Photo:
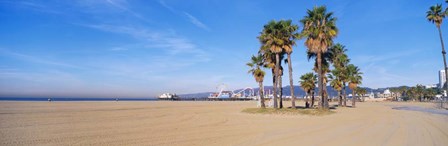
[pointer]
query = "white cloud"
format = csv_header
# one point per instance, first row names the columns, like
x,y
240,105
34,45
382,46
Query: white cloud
x,y
119,49
174,43
38,60
190,17
196,22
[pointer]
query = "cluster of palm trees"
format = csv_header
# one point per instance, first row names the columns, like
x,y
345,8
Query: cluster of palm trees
x,y
319,29
416,93
420,93
436,14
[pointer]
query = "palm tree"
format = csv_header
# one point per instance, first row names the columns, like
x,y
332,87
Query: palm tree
x,y
340,61
308,84
271,39
361,92
435,15
336,83
354,78
269,62
255,69
319,30
278,37
420,89
430,93
412,93
290,35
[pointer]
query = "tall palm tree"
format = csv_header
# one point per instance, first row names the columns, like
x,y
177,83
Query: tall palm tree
x,y
290,35
435,15
354,78
269,62
255,69
308,84
325,65
272,41
319,31
339,59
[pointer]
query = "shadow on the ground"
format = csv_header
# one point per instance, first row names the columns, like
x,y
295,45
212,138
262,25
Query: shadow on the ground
x,y
332,107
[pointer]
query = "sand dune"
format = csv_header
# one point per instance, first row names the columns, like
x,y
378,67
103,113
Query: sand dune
x,y
213,123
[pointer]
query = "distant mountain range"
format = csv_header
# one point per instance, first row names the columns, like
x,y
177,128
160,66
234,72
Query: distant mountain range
x,y
298,92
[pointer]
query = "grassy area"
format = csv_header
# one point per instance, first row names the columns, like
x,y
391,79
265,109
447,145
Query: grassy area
x,y
288,111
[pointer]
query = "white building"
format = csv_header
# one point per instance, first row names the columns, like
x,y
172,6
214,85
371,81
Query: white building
x,y
430,86
442,78
387,93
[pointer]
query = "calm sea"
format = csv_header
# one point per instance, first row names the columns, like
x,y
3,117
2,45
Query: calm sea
x,y
73,99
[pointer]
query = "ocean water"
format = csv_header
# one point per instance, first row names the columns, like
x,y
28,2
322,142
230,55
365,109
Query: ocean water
x,y
73,99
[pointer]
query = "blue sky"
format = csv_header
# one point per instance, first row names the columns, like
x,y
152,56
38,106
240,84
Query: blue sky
x,y
141,48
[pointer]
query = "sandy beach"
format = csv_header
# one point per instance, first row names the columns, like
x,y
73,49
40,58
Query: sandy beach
x,y
213,123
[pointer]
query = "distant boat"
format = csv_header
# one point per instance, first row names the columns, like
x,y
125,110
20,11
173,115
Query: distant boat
x,y
168,96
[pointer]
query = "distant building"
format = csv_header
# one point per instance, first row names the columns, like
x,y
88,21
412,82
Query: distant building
x,y
442,78
431,86
387,93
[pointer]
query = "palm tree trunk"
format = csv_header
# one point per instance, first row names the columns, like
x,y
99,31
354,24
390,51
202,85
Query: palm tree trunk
x,y
353,98
277,75
320,80
312,98
444,59
307,104
261,93
345,94
280,86
274,88
340,98
291,83
325,102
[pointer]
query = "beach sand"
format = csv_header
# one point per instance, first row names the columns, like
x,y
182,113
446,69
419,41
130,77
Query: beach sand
x,y
213,123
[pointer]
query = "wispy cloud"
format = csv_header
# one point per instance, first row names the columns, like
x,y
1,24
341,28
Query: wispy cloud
x,y
36,59
195,21
380,70
122,4
174,43
167,6
31,5
119,49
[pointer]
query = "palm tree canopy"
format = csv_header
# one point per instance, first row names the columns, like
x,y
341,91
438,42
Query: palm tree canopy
x,y
335,82
337,55
308,81
435,14
278,36
319,29
255,65
354,74
290,34
361,91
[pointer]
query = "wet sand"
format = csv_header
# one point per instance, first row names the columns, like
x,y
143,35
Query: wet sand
x,y
214,123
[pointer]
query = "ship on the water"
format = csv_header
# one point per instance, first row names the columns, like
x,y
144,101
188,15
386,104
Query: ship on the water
x,y
168,96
